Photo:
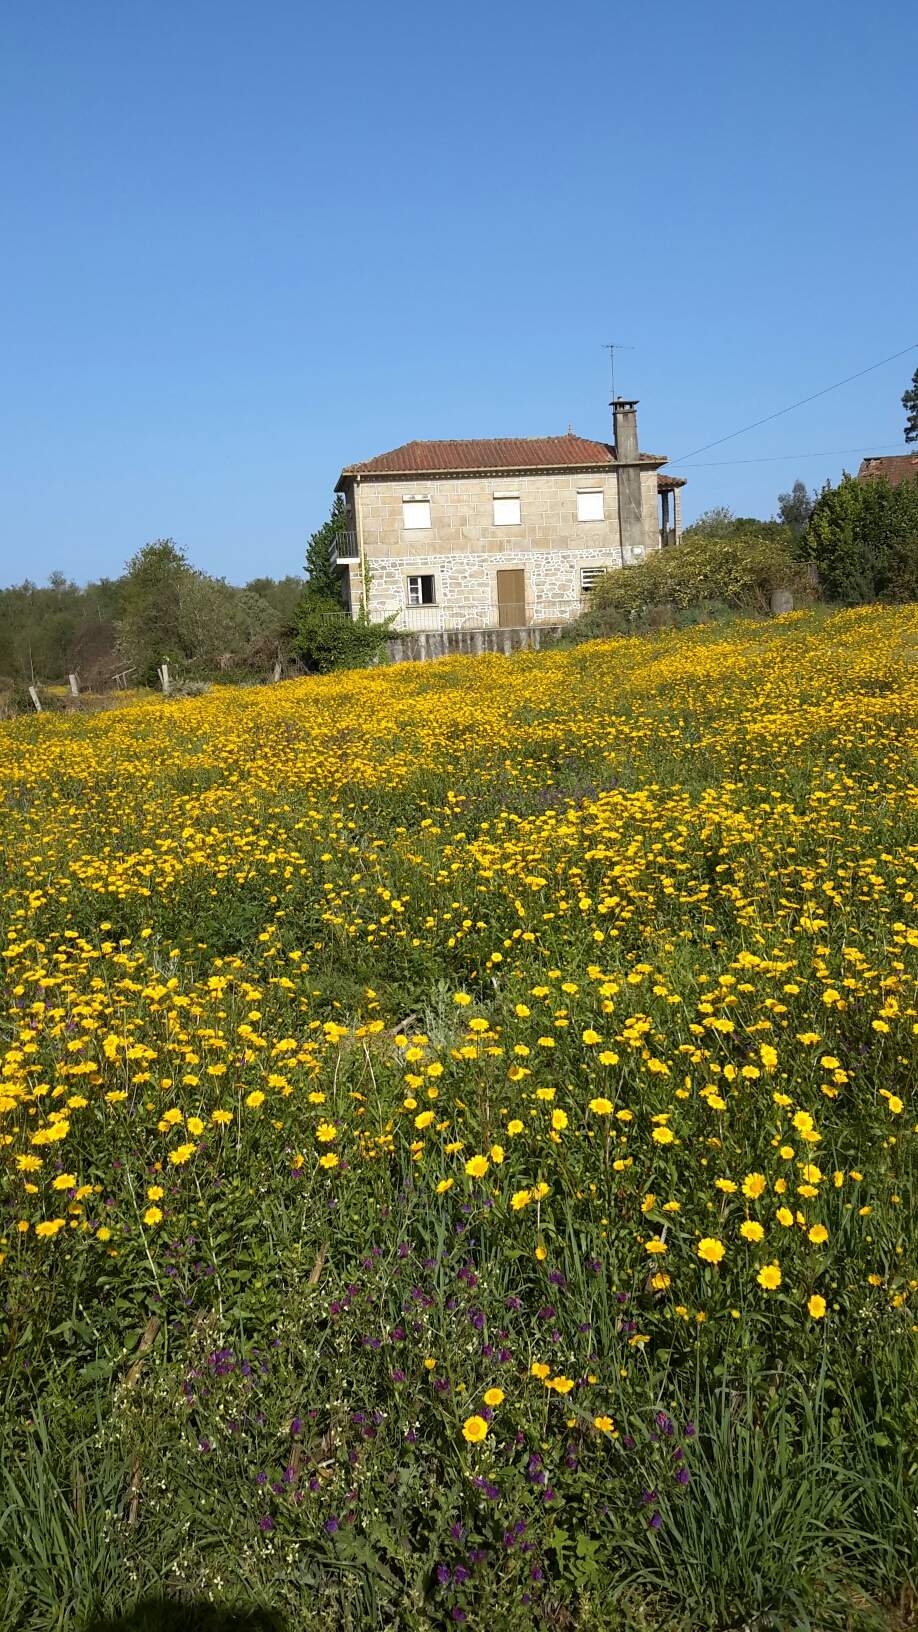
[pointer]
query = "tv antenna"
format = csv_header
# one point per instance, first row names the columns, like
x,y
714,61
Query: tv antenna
x,y
612,346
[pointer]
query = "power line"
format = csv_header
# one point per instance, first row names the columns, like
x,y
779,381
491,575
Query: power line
x,y
801,404
783,458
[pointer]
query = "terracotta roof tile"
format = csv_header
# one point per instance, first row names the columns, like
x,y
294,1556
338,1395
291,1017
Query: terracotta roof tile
x,y
896,468
498,453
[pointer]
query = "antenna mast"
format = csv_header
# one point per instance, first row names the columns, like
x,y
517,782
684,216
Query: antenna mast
x,y
612,346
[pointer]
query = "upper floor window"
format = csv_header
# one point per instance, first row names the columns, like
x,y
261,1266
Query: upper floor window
x,y
415,512
590,506
506,510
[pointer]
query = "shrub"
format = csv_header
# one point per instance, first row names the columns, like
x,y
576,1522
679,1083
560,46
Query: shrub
x,y
327,638
738,572
863,537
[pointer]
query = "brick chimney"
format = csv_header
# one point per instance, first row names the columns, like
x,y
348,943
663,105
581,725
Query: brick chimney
x,y
630,501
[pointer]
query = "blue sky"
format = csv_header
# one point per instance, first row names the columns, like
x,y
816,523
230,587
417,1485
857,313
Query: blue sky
x,y
244,245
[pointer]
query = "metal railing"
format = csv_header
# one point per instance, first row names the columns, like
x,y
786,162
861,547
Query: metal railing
x,y
460,615
455,615
345,551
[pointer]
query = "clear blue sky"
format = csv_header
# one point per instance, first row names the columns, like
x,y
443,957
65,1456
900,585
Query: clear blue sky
x,y
246,244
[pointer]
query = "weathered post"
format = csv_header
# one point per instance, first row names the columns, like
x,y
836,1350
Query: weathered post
x,y
74,685
277,671
163,673
781,601
35,699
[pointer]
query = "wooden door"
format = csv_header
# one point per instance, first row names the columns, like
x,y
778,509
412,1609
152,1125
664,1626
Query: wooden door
x,y
511,598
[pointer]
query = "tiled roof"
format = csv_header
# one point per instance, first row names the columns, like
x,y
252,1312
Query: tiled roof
x,y
896,468
498,453
666,483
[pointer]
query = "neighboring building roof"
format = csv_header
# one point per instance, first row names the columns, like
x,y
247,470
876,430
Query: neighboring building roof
x,y
515,453
666,483
894,468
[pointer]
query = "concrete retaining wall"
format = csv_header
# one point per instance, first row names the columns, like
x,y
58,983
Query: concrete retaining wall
x,y
426,644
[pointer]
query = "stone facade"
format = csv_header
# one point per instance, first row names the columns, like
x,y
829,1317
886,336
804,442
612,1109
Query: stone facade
x,y
463,549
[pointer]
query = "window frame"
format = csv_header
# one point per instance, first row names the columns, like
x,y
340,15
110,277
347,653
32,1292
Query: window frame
x,y
590,493
593,574
506,498
415,526
418,578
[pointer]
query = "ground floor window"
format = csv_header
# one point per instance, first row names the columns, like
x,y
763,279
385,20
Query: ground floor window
x,y
422,589
590,576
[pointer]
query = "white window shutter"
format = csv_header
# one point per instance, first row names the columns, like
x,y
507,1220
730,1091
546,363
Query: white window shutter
x,y
415,512
590,506
507,511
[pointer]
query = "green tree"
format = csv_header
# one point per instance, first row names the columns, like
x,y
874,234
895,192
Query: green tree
x,y
321,578
863,537
282,594
720,522
217,623
910,404
714,523
38,626
796,507
156,587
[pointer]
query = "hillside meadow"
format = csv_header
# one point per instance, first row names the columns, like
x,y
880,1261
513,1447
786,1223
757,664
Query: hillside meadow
x,y
459,1141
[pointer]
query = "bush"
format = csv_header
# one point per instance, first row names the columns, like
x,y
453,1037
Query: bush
x,y
863,537
736,572
327,638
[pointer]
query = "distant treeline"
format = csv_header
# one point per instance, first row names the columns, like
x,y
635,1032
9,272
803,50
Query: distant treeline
x,y
160,607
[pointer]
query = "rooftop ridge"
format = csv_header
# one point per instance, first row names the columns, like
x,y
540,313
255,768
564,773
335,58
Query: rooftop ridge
x,y
454,455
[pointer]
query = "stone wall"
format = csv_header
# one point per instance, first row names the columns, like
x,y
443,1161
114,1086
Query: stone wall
x,y
464,550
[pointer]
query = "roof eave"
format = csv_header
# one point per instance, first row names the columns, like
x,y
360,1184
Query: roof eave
x,y
647,461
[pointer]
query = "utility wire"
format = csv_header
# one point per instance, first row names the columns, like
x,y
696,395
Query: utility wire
x,y
784,458
801,404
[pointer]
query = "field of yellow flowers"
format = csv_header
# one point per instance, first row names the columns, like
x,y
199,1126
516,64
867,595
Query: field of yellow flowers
x,y
459,1140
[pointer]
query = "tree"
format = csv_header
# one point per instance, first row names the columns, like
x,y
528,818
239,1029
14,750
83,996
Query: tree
x,y
156,585
863,537
714,523
322,580
38,627
910,404
283,594
796,507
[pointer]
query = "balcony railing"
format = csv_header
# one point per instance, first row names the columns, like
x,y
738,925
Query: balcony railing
x,y
345,552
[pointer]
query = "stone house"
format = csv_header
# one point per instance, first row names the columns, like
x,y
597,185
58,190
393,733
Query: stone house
x,y
505,534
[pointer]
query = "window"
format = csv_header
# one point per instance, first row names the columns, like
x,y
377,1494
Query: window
x,y
506,510
415,512
589,577
590,506
422,589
